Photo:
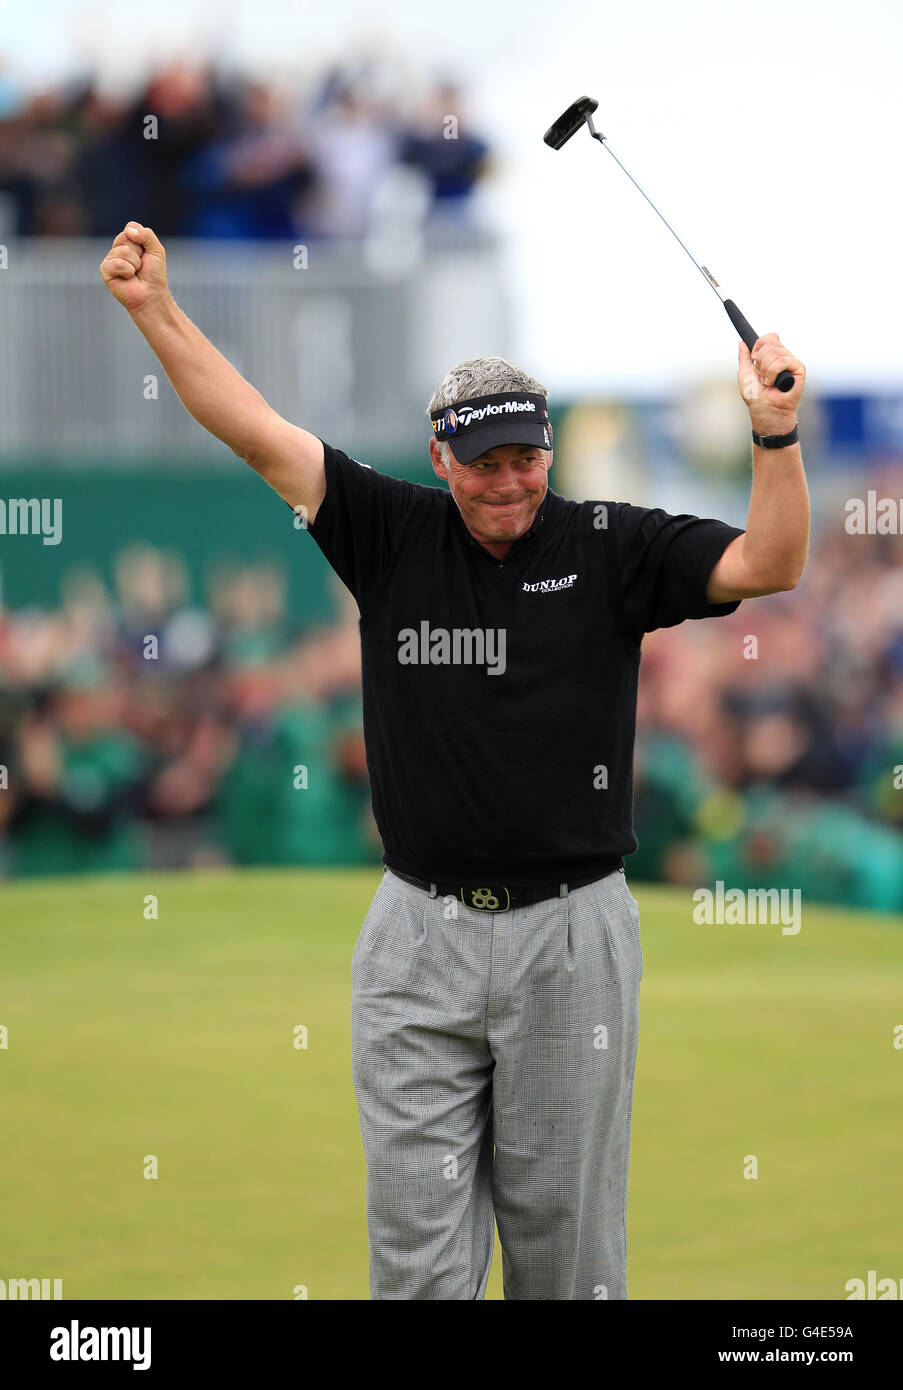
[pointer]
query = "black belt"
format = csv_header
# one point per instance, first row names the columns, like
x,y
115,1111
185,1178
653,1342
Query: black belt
x,y
499,897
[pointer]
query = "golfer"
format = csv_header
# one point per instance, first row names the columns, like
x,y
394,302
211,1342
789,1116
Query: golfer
x,y
495,981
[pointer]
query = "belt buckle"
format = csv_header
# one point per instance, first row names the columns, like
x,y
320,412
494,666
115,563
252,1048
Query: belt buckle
x,y
496,899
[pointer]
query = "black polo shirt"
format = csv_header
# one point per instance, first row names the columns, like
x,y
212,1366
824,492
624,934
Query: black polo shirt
x,y
499,696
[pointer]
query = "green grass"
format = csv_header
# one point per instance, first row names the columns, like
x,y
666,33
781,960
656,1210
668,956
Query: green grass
x,y
173,1038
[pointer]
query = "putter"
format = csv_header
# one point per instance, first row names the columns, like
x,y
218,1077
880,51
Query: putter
x,y
558,134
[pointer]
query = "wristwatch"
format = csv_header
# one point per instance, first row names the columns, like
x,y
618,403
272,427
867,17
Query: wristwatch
x,y
777,441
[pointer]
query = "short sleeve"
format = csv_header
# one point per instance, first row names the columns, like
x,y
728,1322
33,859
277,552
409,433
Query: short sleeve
x,y
664,563
359,522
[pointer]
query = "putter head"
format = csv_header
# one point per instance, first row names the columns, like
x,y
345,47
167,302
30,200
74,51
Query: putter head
x,y
569,122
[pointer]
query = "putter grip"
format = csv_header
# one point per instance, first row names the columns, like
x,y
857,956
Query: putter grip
x,y
749,335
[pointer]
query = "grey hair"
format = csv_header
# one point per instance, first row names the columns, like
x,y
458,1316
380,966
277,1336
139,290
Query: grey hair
x,y
480,376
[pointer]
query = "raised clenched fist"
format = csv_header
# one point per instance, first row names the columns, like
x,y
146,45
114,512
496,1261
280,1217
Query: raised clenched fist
x,y
771,411
134,268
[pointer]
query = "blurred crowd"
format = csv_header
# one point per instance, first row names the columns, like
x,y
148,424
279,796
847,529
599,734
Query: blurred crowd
x,y
770,742
138,728
198,152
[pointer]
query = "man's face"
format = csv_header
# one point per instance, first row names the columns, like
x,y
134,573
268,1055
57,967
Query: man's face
x,y
498,494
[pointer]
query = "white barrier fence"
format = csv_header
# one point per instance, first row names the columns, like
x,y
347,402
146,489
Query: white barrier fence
x,y
346,348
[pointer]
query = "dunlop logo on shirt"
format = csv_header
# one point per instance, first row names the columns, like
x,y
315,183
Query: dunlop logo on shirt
x,y
549,586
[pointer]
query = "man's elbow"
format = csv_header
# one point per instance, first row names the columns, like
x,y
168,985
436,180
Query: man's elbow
x,y
783,583
795,575
756,586
785,575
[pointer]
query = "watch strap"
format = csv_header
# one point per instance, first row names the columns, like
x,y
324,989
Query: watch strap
x,y
777,441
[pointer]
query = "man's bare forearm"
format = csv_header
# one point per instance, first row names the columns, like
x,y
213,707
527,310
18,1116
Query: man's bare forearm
x,y
771,554
776,543
207,384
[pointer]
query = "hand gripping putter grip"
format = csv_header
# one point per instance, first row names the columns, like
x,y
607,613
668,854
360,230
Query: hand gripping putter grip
x,y
558,134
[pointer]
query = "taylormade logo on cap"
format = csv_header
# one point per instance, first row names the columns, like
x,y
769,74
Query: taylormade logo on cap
x,y
468,414
480,410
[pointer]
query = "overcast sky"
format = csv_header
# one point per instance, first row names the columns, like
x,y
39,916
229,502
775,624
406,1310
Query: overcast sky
x,y
768,134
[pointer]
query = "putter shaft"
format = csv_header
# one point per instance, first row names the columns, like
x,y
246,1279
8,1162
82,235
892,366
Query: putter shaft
x,y
704,272
558,134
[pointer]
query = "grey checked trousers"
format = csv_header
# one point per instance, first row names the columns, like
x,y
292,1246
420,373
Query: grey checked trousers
x,y
493,1059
